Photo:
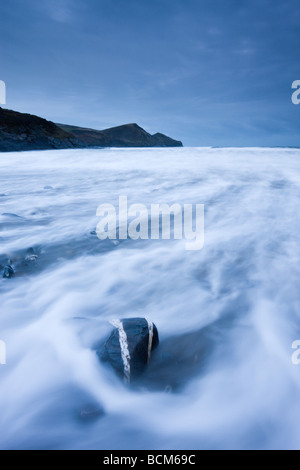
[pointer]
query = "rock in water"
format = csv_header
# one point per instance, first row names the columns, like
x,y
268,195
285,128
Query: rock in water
x,y
30,255
90,413
9,214
8,271
129,347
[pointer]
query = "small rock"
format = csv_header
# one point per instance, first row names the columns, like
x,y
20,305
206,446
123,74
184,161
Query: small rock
x,y
31,256
8,272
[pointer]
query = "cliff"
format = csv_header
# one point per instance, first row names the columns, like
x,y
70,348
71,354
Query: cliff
x,y
19,131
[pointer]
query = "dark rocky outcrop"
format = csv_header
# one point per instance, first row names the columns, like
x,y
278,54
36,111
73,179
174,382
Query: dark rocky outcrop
x,y
128,135
129,347
19,131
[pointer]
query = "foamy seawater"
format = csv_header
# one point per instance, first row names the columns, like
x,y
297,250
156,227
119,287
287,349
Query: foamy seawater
x,y
227,315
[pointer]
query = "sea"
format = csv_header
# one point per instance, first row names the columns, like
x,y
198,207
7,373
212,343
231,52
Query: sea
x,y
226,372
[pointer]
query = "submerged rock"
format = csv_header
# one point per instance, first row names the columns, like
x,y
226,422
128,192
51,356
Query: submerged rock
x,y
90,413
31,255
128,349
8,272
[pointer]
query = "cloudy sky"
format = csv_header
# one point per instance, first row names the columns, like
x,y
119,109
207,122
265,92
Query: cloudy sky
x,y
207,72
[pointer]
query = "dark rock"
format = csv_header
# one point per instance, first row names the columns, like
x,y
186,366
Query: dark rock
x,y
31,255
129,346
161,140
8,272
127,135
19,131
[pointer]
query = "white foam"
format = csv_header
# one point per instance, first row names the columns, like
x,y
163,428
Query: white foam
x,y
248,394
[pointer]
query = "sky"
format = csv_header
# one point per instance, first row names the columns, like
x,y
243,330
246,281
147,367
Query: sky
x,y
206,72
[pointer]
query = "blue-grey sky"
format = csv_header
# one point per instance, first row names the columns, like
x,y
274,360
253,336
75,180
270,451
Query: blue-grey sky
x,y
207,72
